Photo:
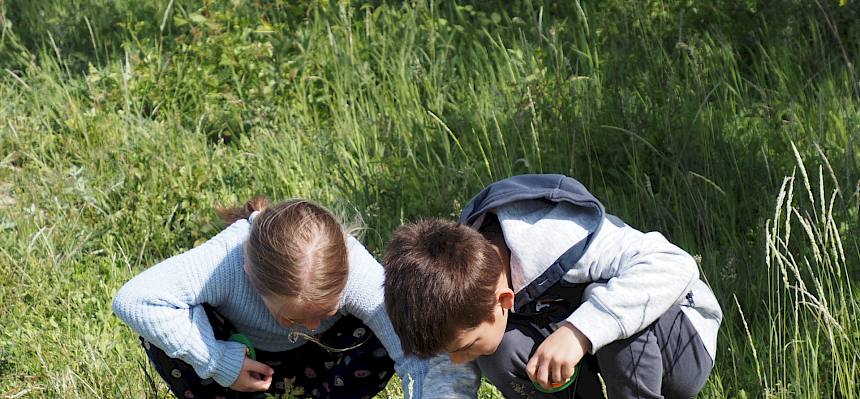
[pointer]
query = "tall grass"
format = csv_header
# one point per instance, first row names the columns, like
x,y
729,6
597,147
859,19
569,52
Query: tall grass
x,y
811,346
123,123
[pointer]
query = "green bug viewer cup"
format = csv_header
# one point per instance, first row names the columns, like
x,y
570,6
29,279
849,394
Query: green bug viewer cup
x,y
571,382
243,339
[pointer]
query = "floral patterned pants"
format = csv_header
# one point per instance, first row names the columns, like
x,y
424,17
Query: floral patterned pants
x,y
308,371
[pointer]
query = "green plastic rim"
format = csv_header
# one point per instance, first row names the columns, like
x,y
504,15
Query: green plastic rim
x,y
571,381
243,339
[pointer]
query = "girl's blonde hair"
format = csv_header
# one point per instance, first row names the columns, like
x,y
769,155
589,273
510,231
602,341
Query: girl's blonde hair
x,y
296,248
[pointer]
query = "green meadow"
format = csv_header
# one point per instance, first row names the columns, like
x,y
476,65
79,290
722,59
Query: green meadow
x,y
731,127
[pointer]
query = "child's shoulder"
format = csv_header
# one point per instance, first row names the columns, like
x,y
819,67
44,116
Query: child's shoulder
x,y
359,256
230,238
221,255
364,270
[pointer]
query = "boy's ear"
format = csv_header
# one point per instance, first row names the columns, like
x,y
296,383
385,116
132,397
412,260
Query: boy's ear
x,y
506,298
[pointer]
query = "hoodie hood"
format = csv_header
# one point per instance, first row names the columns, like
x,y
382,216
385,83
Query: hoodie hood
x,y
538,234
548,222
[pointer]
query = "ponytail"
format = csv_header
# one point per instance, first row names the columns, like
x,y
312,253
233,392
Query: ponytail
x,y
232,214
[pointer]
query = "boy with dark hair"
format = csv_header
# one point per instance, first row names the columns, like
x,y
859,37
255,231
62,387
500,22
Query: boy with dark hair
x,y
537,282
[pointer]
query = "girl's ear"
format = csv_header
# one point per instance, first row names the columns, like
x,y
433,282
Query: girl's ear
x,y
245,267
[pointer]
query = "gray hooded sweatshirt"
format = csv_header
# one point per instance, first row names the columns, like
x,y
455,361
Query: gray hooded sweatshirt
x,y
556,229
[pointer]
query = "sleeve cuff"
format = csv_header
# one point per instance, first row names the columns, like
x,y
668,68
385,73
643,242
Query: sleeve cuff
x,y
413,374
599,326
446,380
228,367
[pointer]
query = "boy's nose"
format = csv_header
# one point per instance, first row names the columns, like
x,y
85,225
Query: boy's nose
x,y
460,358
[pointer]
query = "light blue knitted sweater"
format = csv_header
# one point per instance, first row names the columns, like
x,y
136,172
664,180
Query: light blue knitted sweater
x,y
164,305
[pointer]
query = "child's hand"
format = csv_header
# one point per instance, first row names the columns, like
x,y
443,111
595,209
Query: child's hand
x,y
554,360
254,377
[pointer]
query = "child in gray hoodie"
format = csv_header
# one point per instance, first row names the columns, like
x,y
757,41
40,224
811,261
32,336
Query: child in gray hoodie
x,y
543,289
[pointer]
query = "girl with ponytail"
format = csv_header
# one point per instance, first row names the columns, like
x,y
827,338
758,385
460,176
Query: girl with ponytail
x,y
284,301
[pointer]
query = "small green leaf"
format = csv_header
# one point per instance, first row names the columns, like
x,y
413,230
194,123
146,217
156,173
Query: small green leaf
x,y
197,18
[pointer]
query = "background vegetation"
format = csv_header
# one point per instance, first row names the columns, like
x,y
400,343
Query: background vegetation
x,y
730,126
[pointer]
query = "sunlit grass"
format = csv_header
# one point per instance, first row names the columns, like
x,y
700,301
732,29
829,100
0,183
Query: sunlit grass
x,y
122,124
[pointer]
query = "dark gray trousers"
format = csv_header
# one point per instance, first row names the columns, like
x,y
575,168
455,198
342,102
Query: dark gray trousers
x,y
665,360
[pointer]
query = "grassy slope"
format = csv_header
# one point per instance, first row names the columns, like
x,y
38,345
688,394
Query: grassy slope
x,y
122,124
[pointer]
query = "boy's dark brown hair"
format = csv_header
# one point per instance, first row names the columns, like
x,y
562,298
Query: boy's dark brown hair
x,y
440,278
